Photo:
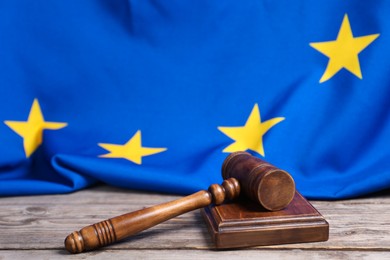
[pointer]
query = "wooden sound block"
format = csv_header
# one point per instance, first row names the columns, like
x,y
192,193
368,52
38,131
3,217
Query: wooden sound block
x,y
243,223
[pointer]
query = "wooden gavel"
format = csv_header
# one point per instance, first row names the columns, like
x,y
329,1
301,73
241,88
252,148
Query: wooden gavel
x,y
267,185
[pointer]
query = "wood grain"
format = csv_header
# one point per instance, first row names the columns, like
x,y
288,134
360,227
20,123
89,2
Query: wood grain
x,y
39,225
243,223
196,255
260,181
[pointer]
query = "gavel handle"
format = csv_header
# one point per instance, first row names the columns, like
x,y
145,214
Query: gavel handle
x,y
120,227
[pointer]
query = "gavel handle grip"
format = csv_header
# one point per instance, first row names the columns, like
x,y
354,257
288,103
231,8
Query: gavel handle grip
x,y
114,229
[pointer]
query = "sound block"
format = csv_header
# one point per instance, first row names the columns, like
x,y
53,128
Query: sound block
x,y
244,223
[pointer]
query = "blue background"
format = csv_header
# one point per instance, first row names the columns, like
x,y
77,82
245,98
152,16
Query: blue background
x,y
177,70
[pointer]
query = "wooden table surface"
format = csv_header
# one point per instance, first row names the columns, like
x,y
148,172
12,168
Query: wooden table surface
x,y
34,227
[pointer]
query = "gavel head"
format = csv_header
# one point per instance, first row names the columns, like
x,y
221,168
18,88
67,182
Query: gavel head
x,y
262,182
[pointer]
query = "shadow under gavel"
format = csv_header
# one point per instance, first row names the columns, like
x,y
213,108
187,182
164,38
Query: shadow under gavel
x,y
267,185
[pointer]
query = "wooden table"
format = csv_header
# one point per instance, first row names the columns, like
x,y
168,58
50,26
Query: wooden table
x,y
34,227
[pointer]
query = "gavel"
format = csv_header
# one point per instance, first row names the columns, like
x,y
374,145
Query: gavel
x,y
270,187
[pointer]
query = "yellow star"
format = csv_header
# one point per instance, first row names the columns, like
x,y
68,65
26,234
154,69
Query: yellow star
x,y
132,150
249,136
343,52
32,130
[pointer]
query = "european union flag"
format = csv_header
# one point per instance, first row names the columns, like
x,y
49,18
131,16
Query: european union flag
x,y
153,95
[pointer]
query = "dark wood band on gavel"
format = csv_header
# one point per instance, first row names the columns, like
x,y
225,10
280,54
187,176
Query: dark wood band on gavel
x,y
262,182
240,171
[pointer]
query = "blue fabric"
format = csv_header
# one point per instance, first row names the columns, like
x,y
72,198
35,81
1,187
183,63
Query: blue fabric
x,y
178,70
